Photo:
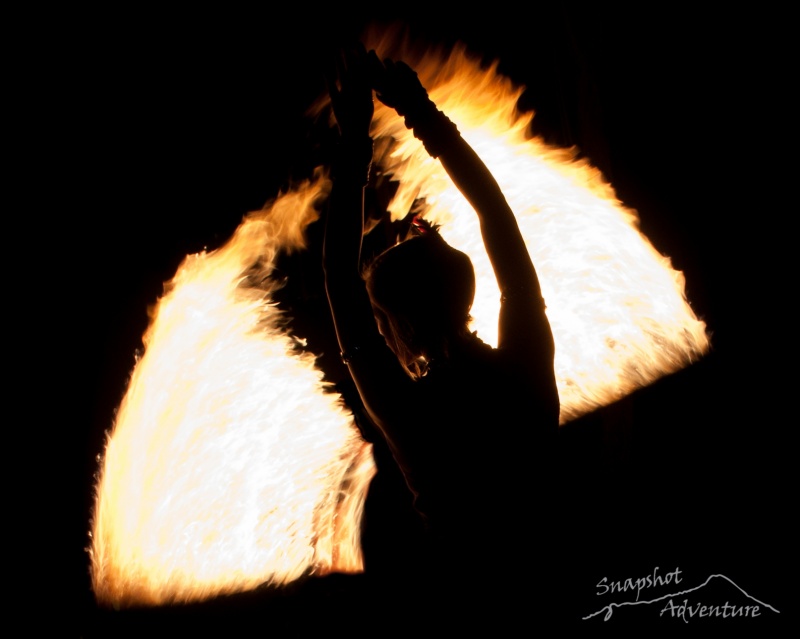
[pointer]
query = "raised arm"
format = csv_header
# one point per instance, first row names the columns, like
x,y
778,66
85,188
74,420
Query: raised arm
x,y
522,321
372,365
351,100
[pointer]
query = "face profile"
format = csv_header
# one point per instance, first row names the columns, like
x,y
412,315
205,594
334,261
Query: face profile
x,y
422,290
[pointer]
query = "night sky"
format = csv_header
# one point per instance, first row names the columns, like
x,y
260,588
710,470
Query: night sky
x,y
165,130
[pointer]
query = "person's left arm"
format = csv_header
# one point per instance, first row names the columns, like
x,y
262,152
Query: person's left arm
x,y
374,368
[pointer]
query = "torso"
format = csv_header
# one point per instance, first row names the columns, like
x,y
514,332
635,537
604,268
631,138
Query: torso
x,y
469,455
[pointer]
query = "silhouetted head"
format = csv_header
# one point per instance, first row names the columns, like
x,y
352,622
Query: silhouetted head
x,y
422,291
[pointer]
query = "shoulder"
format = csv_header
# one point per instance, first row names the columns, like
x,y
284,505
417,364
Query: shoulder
x,y
524,330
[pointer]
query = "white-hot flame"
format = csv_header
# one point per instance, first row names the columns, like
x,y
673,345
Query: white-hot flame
x,y
231,464
617,308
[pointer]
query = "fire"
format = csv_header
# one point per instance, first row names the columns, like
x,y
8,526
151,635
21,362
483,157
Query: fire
x,y
618,310
232,464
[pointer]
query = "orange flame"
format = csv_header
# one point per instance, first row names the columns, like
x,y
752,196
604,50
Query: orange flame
x,y
229,459
231,464
617,308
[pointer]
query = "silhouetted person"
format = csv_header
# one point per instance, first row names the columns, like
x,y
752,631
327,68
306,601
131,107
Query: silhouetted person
x,y
470,426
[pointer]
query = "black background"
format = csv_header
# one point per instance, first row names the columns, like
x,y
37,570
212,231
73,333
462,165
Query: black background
x,y
151,136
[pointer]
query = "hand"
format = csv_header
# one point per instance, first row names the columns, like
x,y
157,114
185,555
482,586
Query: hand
x,y
397,85
351,93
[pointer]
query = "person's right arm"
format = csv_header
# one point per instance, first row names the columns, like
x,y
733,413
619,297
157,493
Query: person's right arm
x,y
373,366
